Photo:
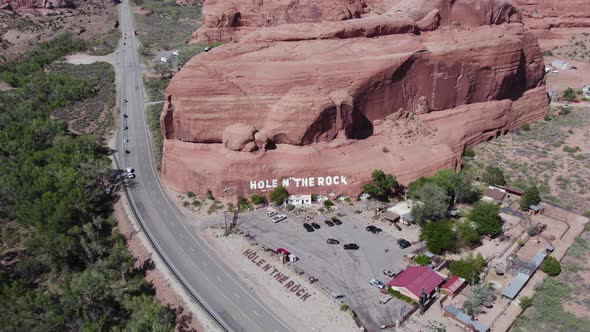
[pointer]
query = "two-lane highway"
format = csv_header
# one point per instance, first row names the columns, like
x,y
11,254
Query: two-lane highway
x,y
220,291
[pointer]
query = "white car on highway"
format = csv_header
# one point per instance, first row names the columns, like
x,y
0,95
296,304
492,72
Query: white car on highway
x,y
278,218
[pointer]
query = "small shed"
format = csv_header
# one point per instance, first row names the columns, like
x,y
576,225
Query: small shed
x,y
299,199
453,286
463,319
408,218
391,217
494,195
558,64
536,209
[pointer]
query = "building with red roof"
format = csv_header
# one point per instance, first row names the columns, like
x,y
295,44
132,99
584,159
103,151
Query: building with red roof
x,y
411,281
453,286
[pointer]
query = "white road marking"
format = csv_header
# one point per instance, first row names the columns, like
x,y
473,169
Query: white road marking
x,y
236,295
218,278
181,236
257,314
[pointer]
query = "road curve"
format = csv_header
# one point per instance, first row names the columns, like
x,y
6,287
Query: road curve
x,y
209,281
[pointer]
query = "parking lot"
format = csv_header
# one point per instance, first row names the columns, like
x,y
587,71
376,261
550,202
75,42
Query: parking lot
x,y
341,271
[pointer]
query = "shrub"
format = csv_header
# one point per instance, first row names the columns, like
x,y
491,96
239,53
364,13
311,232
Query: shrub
x,y
526,127
480,296
190,194
531,230
290,207
547,117
243,204
328,204
570,149
343,307
551,266
209,195
525,302
494,176
520,242
185,203
278,195
258,199
569,94
399,295
547,53
469,153
422,260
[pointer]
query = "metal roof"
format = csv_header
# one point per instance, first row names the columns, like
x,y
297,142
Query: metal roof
x,y
516,284
463,318
538,259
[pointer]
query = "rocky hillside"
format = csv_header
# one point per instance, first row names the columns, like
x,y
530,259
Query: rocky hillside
x,y
346,88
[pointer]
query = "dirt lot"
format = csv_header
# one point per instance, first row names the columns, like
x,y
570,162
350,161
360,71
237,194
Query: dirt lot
x,y
93,20
554,154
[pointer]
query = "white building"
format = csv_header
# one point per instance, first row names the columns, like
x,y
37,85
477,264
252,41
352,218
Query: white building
x,y
586,91
558,64
299,200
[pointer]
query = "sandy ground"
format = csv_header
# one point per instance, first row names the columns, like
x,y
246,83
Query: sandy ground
x,y
86,59
316,313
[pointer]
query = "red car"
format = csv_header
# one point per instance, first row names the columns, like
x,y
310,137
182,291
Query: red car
x,y
283,251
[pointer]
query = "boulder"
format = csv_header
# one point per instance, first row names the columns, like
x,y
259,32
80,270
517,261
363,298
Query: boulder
x,y
237,136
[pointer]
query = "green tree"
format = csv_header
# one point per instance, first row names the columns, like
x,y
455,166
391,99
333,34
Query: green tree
x,y
328,204
481,295
438,235
258,199
531,196
467,233
422,259
569,94
382,186
494,176
465,270
146,315
487,218
433,203
551,266
462,188
278,195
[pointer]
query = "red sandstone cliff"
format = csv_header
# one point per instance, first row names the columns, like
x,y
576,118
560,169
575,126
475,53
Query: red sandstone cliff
x,y
397,92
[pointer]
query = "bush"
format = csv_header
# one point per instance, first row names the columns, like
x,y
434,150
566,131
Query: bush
x,y
480,296
569,94
422,260
469,153
243,204
190,194
526,127
465,270
328,204
547,117
343,307
494,176
531,230
525,302
278,195
399,295
258,199
209,195
551,266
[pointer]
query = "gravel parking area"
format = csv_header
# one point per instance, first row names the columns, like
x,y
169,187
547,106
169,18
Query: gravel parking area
x,y
341,271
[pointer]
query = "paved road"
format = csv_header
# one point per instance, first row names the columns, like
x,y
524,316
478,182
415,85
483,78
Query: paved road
x,y
220,290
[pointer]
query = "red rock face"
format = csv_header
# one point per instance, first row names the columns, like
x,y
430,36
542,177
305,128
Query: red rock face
x,y
553,21
35,4
325,103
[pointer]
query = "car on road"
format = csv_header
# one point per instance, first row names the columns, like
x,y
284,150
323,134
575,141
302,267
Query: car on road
x,y
125,127
329,223
373,229
315,225
403,243
125,116
351,246
126,140
376,283
308,227
278,218
129,170
332,241
271,214
336,221
130,176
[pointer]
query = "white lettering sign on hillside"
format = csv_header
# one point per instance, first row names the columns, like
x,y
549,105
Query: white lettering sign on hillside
x,y
319,181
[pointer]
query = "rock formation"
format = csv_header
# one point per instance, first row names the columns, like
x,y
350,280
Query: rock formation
x,y
321,105
35,4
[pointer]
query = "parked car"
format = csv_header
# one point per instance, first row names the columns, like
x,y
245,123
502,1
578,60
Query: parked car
x,y
388,273
403,243
271,214
351,246
329,223
283,251
308,227
332,241
336,221
278,218
376,283
373,229
315,225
